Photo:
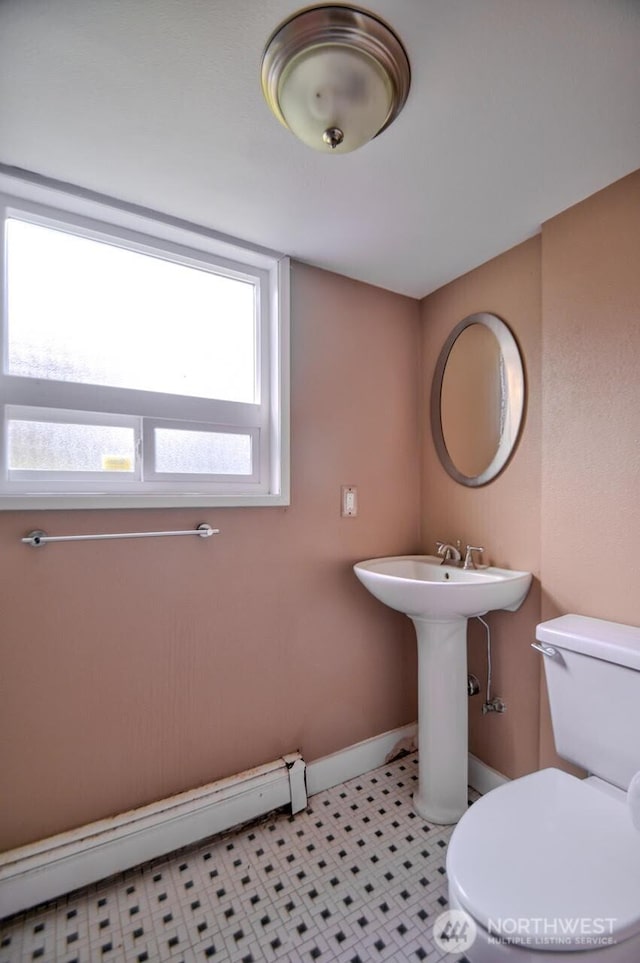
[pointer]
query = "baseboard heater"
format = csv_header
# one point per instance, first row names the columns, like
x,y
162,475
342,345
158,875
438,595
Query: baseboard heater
x,y
45,870
51,867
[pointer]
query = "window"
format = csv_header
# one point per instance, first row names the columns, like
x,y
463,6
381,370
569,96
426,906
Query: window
x,y
144,360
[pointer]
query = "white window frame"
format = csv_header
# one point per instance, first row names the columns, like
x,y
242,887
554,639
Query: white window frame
x,y
86,214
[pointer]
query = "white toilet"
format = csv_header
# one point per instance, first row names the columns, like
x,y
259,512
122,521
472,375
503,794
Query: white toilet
x,y
548,866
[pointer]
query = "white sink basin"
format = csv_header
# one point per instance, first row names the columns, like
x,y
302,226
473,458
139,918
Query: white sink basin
x,y
439,599
423,588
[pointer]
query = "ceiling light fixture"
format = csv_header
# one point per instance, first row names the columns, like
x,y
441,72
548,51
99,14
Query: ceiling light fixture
x,y
335,76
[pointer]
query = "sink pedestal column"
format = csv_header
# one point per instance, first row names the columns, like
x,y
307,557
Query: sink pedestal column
x,y
442,720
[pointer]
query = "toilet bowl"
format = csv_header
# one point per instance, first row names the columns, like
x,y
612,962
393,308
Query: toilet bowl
x,y
548,866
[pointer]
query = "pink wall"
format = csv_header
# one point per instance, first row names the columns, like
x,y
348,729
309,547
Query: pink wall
x,y
567,507
133,670
591,411
503,516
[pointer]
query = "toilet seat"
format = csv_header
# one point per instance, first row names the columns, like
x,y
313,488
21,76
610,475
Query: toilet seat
x,y
553,849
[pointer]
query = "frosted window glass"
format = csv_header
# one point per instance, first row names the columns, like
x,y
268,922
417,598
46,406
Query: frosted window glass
x,y
202,452
86,311
50,446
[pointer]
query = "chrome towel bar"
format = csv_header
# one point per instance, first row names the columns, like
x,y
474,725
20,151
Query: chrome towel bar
x,y
38,538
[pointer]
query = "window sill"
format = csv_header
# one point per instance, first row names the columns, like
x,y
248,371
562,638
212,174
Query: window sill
x,y
112,500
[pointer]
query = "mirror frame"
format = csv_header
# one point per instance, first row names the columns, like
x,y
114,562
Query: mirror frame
x,y
514,405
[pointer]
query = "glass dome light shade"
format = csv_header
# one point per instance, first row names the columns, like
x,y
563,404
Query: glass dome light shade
x,y
335,76
335,87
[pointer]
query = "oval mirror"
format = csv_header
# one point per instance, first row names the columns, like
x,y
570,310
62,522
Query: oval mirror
x,y
477,399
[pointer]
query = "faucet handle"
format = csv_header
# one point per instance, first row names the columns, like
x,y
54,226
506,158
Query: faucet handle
x,y
448,552
468,558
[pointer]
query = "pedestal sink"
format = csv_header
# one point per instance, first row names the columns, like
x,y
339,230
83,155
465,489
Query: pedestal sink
x,y
439,599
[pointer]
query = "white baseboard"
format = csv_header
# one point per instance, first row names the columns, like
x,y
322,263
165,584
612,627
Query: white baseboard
x,y
360,758
47,869
482,777
355,760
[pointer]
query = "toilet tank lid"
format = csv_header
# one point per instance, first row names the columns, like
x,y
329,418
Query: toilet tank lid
x,y
609,641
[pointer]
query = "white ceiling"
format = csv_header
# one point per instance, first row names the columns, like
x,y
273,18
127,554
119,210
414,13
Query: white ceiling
x,y
518,109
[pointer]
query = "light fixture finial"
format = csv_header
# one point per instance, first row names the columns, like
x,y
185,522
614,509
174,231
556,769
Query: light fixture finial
x,y
333,136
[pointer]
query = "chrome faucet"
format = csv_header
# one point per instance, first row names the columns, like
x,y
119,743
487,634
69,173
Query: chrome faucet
x,y
450,554
469,561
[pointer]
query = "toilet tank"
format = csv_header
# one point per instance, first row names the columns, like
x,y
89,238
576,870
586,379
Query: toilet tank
x,y
594,691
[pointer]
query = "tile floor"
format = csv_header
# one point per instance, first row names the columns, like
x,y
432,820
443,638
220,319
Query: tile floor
x,y
356,878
